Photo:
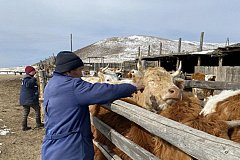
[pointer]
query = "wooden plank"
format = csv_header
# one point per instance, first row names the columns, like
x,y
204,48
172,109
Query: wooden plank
x,y
215,72
228,74
196,143
217,85
236,72
104,149
222,71
131,149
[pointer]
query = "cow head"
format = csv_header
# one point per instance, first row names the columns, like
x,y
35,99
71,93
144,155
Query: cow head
x,y
161,88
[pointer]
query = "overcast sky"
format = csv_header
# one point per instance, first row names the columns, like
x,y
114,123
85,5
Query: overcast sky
x,y
32,30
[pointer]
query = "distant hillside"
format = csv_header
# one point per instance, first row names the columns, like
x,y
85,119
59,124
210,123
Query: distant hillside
x,y
119,49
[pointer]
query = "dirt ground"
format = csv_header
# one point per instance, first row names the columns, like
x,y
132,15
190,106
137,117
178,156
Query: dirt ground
x,y
16,144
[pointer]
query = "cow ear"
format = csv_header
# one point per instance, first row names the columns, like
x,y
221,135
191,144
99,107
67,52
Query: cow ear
x,y
179,82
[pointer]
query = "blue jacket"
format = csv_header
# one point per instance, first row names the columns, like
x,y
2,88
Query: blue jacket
x,y
67,119
29,91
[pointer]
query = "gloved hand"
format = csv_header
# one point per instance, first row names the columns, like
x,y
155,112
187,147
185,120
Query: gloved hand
x,y
139,86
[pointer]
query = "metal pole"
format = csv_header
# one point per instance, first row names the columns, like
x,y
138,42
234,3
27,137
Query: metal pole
x,y
71,41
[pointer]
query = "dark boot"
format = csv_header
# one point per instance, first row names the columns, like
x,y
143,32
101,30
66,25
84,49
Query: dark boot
x,y
26,128
26,110
39,124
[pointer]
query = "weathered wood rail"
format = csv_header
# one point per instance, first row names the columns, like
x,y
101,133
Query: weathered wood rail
x,y
216,85
198,144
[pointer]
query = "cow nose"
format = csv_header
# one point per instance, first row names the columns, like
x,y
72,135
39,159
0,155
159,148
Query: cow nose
x,y
174,92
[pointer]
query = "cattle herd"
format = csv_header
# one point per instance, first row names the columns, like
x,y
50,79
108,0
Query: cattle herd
x,y
164,94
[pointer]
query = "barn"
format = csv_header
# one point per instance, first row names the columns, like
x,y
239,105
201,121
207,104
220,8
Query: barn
x,y
222,62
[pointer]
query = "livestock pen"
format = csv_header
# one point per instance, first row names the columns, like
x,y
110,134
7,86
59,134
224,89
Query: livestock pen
x,y
196,143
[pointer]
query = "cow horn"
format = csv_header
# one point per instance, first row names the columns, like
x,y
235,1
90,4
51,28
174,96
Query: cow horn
x,y
105,68
121,68
178,71
139,62
233,123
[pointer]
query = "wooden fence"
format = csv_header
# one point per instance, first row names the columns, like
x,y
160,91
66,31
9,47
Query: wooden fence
x,y
198,144
12,72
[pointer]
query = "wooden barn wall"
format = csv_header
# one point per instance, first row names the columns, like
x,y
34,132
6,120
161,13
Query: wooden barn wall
x,y
224,73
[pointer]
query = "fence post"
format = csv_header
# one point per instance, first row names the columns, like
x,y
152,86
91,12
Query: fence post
x,y
42,84
160,48
149,50
201,41
179,45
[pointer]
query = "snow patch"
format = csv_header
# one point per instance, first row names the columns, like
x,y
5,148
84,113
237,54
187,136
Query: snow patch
x,y
4,131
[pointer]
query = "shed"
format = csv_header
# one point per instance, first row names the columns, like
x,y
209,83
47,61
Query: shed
x,y
224,62
222,56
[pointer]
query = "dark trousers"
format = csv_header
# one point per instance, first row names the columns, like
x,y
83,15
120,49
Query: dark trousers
x,y
26,110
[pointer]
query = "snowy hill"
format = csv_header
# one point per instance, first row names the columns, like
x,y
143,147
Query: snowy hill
x,y
119,49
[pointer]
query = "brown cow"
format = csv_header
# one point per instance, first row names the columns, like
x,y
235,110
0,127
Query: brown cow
x,y
225,106
163,97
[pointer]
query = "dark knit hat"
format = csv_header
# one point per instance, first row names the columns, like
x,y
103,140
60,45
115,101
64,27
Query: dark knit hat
x,y
67,61
29,69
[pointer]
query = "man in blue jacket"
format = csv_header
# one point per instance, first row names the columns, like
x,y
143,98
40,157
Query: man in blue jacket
x,y
66,99
29,97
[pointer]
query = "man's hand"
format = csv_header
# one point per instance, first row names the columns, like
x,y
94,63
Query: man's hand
x,y
140,87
